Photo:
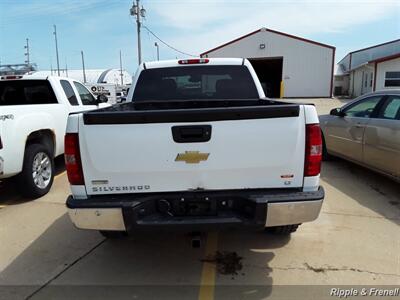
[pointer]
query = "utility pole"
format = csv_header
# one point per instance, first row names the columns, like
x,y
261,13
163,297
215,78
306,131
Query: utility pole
x,y
26,47
138,12
83,67
158,50
66,68
120,68
55,38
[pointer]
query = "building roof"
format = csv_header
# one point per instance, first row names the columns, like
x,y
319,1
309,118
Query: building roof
x,y
370,47
211,61
375,46
385,58
339,71
272,31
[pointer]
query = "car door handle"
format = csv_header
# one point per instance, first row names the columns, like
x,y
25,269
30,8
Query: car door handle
x,y
360,126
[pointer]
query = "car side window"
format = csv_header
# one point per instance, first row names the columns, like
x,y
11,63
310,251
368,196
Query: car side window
x,y
391,109
363,108
69,92
86,97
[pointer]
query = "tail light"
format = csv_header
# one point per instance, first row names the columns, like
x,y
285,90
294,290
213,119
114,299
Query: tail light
x,y
313,155
72,157
193,61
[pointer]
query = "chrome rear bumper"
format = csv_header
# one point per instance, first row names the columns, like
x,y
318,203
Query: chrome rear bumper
x,y
226,209
285,213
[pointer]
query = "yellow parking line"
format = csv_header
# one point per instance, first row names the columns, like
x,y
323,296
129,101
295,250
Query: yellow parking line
x,y
209,269
60,174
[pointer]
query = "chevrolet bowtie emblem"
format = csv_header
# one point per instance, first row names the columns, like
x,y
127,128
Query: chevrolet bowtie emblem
x,y
192,157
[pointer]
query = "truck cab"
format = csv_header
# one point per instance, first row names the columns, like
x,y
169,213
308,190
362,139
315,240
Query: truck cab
x,y
33,119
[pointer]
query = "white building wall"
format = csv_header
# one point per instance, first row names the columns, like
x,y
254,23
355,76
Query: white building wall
x,y
307,68
383,67
362,80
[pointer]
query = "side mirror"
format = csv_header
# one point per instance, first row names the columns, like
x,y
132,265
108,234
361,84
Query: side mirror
x,y
337,112
102,98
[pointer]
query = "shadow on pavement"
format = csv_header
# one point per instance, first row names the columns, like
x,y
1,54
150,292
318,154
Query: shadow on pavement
x,y
66,263
10,187
370,189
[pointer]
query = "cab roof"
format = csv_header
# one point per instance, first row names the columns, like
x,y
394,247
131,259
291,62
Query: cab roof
x,y
32,77
198,61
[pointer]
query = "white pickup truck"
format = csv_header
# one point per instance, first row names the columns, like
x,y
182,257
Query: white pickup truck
x,y
196,147
33,118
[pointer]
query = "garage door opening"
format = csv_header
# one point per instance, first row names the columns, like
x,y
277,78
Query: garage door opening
x,y
269,72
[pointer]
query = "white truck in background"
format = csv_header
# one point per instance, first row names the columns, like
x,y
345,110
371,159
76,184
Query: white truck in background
x,y
33,118
198,147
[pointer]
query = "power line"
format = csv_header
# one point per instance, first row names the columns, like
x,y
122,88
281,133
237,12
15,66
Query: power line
x,y
166,44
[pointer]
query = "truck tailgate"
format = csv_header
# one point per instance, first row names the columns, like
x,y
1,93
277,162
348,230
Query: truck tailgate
x,y
261,147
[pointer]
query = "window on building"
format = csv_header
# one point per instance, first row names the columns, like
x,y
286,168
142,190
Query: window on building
x,y
370,80
366,80
69,92
392,79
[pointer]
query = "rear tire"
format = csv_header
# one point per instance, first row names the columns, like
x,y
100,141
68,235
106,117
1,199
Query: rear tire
x,y
282,230
109,234
37,173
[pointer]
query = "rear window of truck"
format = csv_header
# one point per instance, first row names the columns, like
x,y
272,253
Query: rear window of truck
x,y
26,92
195,82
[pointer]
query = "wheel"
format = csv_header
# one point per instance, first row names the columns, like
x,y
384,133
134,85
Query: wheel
x,y
283,230
109,234
37,173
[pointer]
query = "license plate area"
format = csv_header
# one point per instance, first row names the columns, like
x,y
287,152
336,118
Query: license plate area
x,y
197,208
203,206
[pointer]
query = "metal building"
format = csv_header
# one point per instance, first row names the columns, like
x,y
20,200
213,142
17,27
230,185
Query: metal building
x,y
287,66
369,69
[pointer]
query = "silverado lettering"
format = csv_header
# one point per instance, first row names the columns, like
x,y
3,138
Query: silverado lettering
x,y
96,189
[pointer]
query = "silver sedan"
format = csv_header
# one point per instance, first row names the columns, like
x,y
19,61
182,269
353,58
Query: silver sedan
x,y
366,131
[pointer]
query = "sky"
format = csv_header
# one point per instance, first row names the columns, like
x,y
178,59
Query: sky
x,y
103,28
